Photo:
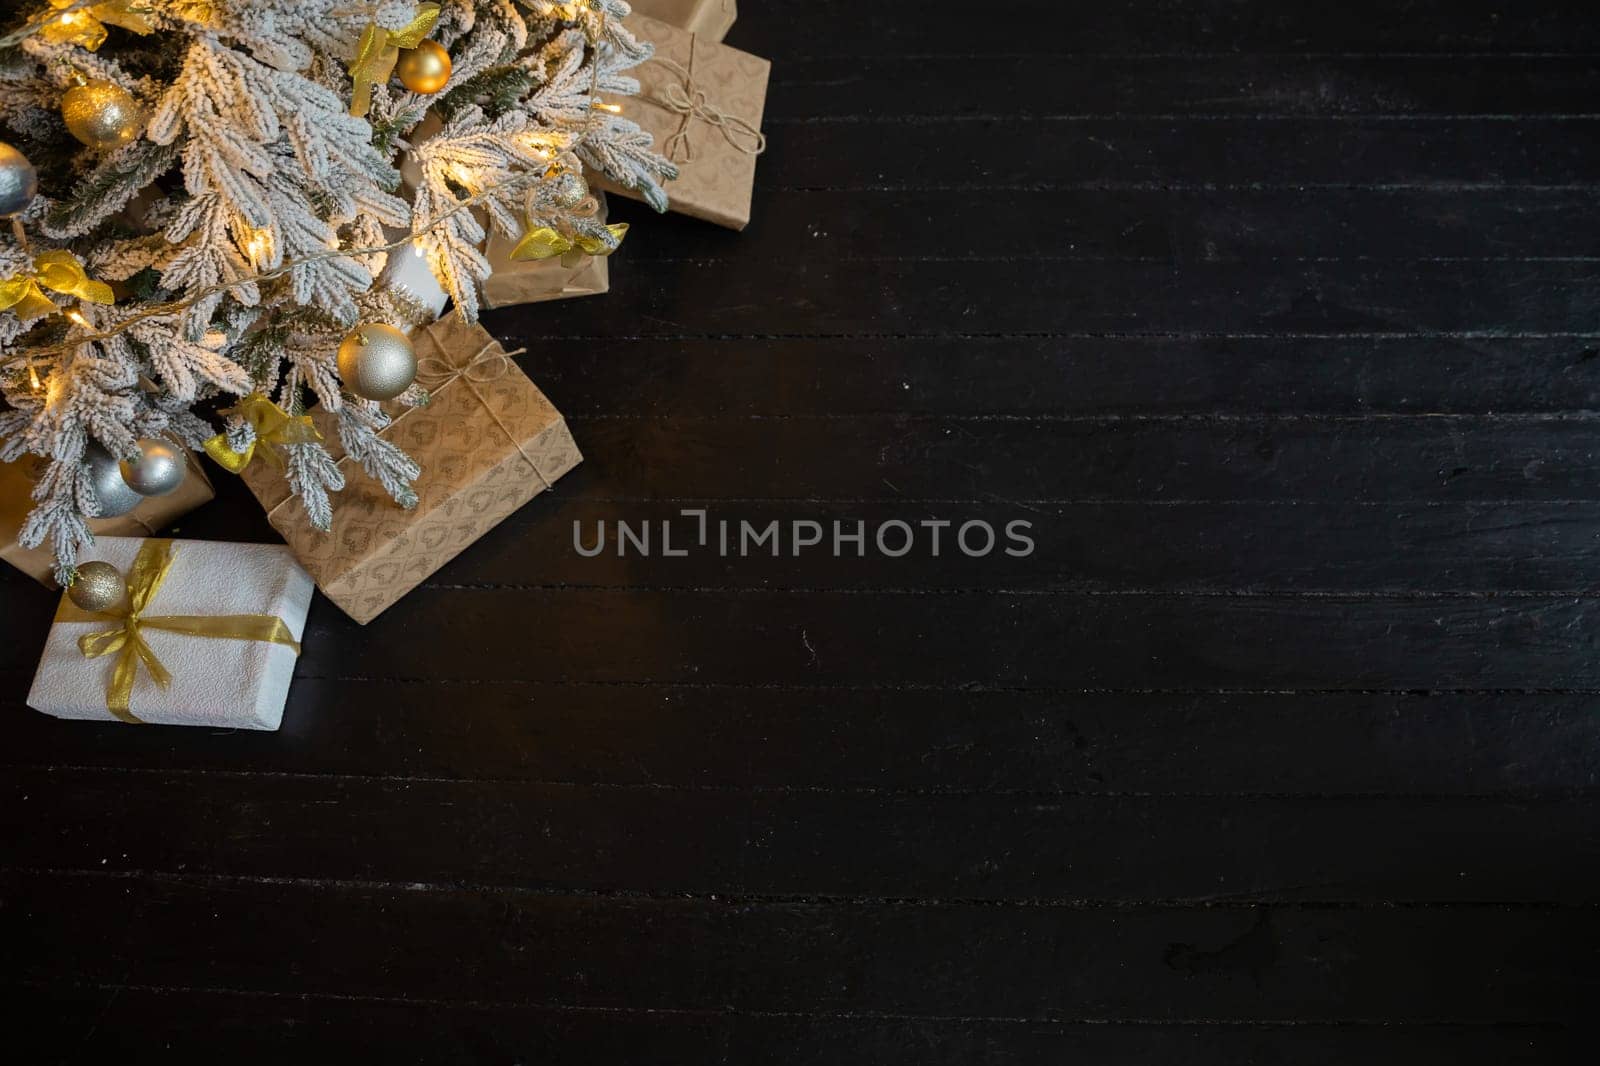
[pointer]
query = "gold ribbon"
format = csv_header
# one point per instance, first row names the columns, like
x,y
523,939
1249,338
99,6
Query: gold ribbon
x,y
126,638
489,364
273,426
690,102
379,50
86,26
546,243
60,271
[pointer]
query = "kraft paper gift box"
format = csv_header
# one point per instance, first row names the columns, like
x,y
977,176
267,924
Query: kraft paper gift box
x,y
227,682
147,519
711,19
488,442
703,102
537,280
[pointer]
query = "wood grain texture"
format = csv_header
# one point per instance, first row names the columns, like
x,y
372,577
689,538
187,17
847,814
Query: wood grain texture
x,y
1277,323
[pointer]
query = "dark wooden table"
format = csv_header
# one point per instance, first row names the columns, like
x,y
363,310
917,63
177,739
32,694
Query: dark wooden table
x,y
1278,321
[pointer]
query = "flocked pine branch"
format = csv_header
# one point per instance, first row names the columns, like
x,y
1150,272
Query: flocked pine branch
x,y
250,220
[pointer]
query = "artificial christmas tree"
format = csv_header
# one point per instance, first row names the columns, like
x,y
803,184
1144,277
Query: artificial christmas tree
x,y
218,188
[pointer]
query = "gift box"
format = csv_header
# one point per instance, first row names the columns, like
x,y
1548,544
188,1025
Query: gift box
x,y
532,281
488,442
703,102
711,19
221,623
151,516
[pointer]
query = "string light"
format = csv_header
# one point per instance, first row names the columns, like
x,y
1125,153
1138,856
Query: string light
x,y
258,246
599,105
34,384
75,316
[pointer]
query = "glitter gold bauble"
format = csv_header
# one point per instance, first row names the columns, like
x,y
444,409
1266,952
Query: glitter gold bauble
x,y
158,470
98,587
425,68
101,114
19,182
377,362
105,479
570,188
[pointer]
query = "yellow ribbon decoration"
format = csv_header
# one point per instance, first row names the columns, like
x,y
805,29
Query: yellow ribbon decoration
x,y
126,639
379,50
546,243
86,26
273,426
60,271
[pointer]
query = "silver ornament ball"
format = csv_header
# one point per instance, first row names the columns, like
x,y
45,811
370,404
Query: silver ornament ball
x,y
157,471
377,362
98,587
101,114
19,182
105,479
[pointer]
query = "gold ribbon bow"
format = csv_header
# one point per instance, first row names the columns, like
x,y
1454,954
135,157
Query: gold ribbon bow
x,y
126,639
86,26
545,243
379,50
690,102
273,426
60,271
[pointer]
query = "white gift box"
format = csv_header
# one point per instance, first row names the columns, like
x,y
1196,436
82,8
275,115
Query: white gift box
x,y
220,682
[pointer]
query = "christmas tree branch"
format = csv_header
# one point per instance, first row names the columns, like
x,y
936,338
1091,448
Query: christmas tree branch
x,y
173,307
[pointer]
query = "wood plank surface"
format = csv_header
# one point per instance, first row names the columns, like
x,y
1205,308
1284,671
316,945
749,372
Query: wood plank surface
x,y
1277,324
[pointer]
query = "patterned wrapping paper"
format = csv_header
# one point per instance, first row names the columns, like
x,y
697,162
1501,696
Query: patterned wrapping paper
x,y
147,519
714,144
538,280
487,445
711,19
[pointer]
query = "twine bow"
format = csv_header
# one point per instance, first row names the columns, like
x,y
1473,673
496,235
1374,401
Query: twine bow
x,y
126,640
59,271
273,426
689,102
379,50
490,363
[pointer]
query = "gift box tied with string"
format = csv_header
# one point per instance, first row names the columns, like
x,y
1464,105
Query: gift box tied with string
x,y
703,101
488,441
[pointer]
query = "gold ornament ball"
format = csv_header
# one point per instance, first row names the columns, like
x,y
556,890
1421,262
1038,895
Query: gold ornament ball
x,y
98,587
570,188
101,114
19,182
425,68
376,361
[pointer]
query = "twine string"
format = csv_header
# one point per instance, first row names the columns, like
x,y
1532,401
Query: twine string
x,y
689,102
488,365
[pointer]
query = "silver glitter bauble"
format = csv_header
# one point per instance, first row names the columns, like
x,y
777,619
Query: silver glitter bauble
x,y
158,470
98,587
19,182
101,114
105,478
377,361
